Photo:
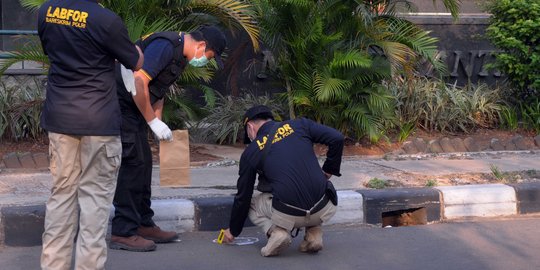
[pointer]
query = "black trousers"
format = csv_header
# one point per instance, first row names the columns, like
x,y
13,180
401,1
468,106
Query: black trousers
x,y
133,189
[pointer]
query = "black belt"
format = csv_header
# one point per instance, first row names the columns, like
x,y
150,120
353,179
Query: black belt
x,y
299,212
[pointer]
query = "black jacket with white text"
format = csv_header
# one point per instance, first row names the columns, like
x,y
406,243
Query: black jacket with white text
x,y
291,166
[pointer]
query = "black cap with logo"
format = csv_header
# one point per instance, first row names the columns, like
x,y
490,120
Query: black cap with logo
x,y
256,112
215,41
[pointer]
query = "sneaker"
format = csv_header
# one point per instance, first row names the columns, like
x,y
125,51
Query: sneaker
x,y
131,243
156,234
279,240
312,240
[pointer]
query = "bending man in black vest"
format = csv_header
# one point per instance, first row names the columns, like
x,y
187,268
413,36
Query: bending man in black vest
x,y
296,192
167,54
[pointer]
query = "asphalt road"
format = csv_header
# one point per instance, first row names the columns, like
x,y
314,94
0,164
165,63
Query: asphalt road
x,y
481,244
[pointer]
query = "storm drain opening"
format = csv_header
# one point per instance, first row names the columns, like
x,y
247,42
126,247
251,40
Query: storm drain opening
x,y
405,217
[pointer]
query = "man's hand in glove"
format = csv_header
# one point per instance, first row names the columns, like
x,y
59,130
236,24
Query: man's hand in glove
x,y
162,131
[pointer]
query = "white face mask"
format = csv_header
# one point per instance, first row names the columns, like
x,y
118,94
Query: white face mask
x,y
198,62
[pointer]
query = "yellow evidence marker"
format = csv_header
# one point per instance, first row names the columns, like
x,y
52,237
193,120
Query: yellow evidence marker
x,y
221,236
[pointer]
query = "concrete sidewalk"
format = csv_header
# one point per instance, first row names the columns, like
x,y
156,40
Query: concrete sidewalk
x,y
206,203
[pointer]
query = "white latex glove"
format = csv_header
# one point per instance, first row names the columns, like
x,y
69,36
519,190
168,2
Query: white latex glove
x,y
162,131
129,79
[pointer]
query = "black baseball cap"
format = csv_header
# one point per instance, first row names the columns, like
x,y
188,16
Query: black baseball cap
x,y
215,41
256,112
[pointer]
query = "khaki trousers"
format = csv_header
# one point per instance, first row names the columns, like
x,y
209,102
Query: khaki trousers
x,y
264,216
84,170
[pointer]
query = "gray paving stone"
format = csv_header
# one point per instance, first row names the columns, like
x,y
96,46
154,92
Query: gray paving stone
x,y
420,145
510,146
27,161
409,148
435,147
41,160
471,145
523,143
398,152
458,145
537,140
447,145
497,145
483,145
11,161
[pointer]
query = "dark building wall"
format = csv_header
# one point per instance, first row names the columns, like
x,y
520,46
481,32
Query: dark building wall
x,y
467,6
462,43
246,70
14,17
463,46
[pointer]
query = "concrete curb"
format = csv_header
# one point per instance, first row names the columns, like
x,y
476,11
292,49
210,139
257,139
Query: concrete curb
x,y
478,201
379,202
23,225
528,196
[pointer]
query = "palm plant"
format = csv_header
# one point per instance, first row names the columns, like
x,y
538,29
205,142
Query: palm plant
x,y
436,106
378,27
224,122
334,55
143,17
30,51
531,115
19,111
146,16
508,117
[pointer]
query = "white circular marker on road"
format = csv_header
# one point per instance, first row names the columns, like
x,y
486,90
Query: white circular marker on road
x,y
241,241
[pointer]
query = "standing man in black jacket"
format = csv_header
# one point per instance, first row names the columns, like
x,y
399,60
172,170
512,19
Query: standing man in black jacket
x,y
83,40
296,191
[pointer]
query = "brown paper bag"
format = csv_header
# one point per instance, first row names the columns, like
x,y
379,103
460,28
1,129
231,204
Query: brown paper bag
x,y
174,160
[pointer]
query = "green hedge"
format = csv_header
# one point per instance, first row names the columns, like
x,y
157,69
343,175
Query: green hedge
x,y
515,29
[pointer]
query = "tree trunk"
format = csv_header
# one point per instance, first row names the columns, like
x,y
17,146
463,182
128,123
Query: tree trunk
x,y
290,99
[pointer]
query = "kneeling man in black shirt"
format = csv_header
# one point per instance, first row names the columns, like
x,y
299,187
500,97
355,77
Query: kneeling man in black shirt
x,y
296,191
